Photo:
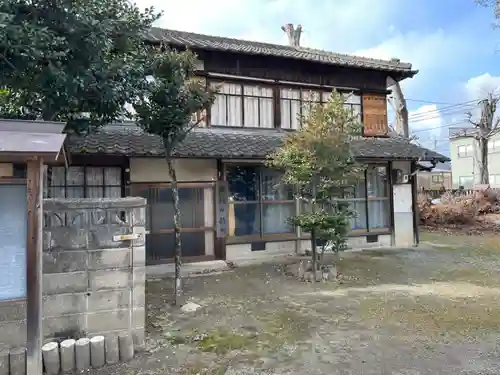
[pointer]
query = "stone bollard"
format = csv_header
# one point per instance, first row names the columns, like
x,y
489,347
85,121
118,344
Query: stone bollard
x,y
50,355
126,345
301,270
68,355
4,362
139,340
112,350
17,361
82,354
97,352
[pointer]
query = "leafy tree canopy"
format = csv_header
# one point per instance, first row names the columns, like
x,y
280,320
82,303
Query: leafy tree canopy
x,y
173,96
317,160
63,60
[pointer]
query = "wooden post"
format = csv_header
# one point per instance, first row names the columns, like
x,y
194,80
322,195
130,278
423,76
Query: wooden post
x,y
34,249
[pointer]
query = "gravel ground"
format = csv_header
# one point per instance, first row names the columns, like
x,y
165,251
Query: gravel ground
x,y
430,310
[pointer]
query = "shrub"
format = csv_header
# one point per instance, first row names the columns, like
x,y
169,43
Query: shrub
x,y
457,208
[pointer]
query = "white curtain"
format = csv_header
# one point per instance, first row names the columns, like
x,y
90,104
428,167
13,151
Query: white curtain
x,y
275,215
378,200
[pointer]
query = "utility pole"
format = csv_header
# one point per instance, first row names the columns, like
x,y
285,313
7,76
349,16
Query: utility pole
x,y
486,127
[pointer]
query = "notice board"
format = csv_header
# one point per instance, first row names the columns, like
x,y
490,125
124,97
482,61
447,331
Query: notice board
x,y
375,115
13,241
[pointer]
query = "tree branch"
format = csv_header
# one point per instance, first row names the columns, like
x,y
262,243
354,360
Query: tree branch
x,y
469,118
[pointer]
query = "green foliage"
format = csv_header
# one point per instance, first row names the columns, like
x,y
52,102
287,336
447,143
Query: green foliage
x,y
173,96
317,160
329,225
10,107
78,62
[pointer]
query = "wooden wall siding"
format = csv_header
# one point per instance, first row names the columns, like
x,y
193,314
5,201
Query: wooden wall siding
x,y
375,115
241,105
293,70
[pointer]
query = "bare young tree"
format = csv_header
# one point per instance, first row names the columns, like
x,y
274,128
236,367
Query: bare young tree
x,y
487,127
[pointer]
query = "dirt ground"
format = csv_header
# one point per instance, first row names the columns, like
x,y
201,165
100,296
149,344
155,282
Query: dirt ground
x,y
430,310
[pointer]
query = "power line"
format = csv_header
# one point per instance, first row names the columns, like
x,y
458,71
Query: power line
x,y
438,127
427,101
439,116
443,109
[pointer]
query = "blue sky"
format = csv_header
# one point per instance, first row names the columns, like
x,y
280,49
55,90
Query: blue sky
x,y
451,42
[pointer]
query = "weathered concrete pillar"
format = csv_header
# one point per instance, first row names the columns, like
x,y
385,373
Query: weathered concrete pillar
x,y
68,355
50,354
4,362
112,350
17,361
126,345
97,352
82,354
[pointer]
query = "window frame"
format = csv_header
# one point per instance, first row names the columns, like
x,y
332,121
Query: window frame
x,y
322,100
469,150
367,199
494,146
299,208
242,96
494,177
85,186
437,178
261,236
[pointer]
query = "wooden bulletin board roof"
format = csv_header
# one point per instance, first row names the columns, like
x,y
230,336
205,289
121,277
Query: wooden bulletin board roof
x,y
20,140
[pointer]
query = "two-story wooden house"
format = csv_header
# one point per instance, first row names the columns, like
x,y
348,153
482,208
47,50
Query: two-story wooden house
x,y
231,208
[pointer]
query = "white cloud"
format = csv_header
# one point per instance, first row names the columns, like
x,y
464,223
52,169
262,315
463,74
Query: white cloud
x,y
431,53
480,86
425,120
328,24
194,15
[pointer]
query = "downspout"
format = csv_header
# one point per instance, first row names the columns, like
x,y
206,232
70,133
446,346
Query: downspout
x,y
416,214
391,205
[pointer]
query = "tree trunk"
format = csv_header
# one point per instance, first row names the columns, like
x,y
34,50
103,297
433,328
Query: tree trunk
x,y
313,232
177,233
484,178
314,254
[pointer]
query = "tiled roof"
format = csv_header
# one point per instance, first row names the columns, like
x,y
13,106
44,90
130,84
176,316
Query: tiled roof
x,y
208,42
229,143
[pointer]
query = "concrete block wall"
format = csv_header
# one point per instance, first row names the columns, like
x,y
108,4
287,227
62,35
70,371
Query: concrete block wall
x,y
93,281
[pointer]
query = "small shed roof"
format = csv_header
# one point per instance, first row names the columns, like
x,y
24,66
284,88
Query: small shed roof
x,y
20,140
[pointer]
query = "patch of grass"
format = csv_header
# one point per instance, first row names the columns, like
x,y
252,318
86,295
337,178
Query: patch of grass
x,y
200,368
430,318
222,342
272,330
284,326
370,269
485,244
469,274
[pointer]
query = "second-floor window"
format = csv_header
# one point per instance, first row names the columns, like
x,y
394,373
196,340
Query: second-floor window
x,y
242,105
294,104
437,178
494,179
464,151
494,145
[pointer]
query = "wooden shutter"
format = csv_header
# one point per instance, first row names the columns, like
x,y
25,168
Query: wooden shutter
x,y
375,115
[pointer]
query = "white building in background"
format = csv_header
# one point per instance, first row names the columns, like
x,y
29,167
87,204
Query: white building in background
x,y
464,156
